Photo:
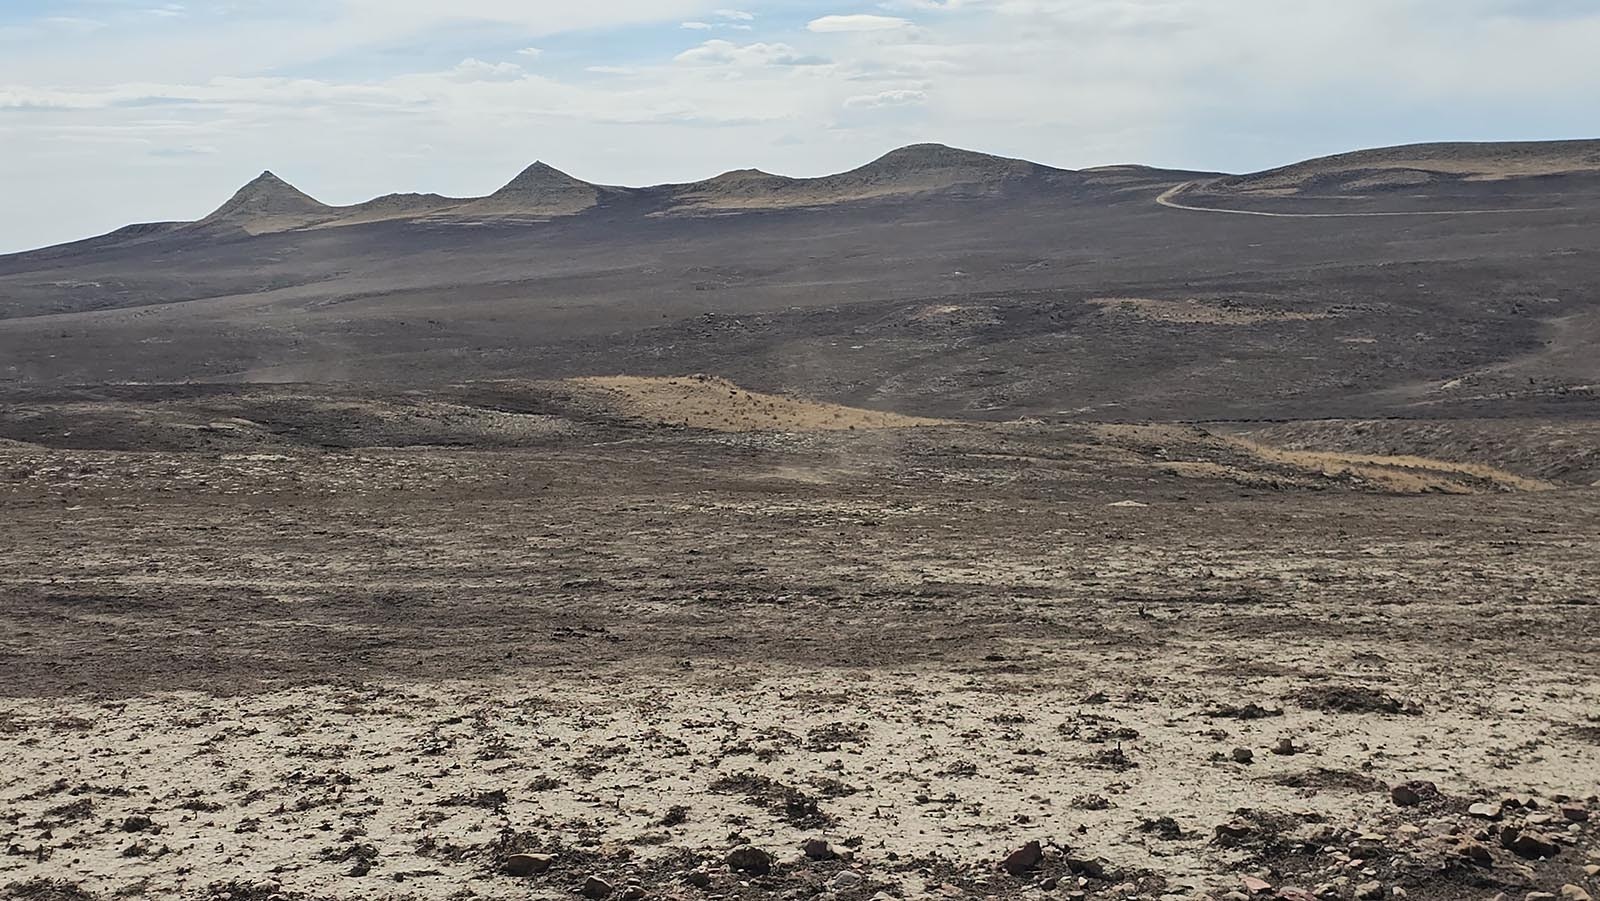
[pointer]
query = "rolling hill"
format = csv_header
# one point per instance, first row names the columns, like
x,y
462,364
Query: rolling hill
x,y
930,282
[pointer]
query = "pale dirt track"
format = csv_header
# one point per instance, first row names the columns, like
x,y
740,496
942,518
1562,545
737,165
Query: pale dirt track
x,y
1166,199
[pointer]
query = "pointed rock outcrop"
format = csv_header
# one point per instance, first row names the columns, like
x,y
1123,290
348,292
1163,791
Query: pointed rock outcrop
x,y
540,190
267,204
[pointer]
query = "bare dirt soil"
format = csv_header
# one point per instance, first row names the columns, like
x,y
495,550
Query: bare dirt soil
x,y
279,669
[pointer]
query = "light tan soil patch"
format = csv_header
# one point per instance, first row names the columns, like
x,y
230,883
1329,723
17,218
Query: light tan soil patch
x,y
707,402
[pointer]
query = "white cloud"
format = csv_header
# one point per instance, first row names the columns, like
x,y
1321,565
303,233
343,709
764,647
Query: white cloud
x,y
727,53
472,69
736,19
531,52
835,24
902,97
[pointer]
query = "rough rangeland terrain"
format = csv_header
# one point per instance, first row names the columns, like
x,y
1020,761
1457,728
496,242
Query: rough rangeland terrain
x,y
1025,538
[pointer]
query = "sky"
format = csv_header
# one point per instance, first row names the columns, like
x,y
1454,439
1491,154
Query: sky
x,y
120,111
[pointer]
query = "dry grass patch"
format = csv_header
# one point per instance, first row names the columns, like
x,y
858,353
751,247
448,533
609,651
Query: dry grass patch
x,y
1404,474
716,404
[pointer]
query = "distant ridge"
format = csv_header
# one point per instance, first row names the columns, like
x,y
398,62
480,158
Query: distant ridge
x,y
269,204
1419,165
908,171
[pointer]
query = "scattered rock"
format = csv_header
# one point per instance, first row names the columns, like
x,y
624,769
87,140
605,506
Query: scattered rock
x,y
1086,866
1235,829
1369,891
528,864
596,889
634,893
1570,892
1485,811
845,880
1410,794
1250,711
1255,885
819,849
1163,827
1024,859
1285,747
1352,699
750,859
1243,755
698,878
136,823
1527,844
1477,852
1575,813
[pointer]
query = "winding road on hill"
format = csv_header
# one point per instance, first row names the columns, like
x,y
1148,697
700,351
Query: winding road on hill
x,y
1168,199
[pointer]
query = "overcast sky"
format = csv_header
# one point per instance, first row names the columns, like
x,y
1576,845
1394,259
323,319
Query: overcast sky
x,y
116,111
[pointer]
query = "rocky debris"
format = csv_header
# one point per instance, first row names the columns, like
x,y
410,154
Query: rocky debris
x,y
1527,844
1235,829
699,877
1353,699
1086,866
1369,891
361,857
1249,711
1255,885
1410,794
1024,860
1485,811
819,849
1243,755
750,859
1285,747
1476,852
786,801
1570,892
596,889
137,823
634,893
1163,827
528,864
845,880
1575,813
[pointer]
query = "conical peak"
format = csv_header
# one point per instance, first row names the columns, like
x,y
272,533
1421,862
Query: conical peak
x,y
267,195
542,176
